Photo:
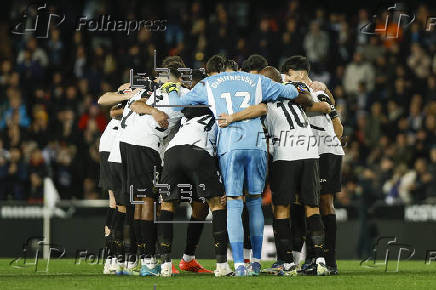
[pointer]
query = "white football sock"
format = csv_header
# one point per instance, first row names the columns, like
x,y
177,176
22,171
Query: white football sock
x,y
188,258
149,262
288,266
320,260
247,254
303,253
222,265
296,256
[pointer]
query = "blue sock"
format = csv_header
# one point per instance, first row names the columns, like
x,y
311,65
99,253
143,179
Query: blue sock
x,y
235,229
254,206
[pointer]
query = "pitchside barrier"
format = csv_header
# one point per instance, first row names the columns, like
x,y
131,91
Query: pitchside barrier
x,y
78,228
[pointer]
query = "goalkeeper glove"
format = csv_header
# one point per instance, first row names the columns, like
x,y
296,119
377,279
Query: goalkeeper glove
x,y
301,87
169,87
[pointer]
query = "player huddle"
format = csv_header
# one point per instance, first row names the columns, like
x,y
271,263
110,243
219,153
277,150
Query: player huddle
x,y
218,144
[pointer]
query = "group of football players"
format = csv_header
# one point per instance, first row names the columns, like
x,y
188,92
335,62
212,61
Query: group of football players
x,y
218,143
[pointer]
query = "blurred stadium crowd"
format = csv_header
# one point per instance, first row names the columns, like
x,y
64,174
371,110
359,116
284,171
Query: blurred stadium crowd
x,y
385,88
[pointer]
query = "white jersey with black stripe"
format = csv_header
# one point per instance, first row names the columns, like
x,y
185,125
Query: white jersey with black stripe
x,y
323,130
199,131
289,130
142,129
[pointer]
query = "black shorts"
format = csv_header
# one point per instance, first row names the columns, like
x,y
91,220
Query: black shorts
x,y
116,183
140,166
289,178
330,173
105,172
191,173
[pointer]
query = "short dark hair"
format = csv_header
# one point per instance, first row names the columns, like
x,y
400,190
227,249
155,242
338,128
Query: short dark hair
x,y
255,62
174,68
297,63
174,58
216,63
244,66
272,73
231,64
197,75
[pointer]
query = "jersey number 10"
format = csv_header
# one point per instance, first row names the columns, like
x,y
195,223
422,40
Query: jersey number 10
x,y
303,124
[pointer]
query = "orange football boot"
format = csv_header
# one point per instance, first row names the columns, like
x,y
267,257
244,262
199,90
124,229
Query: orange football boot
x,y
193,266
174,270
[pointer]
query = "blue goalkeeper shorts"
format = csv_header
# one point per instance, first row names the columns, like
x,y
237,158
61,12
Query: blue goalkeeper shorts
x,y
243,169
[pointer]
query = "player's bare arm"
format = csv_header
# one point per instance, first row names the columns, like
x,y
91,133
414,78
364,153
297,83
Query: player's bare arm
x,y
141,107
304,99
337,126
336,121
248,113
111,98
116,112
321,107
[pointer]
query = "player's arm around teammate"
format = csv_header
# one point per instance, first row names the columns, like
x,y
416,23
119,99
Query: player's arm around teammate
x,y
259,110
141,107
116,112
122,94
336,121
248,113
321,107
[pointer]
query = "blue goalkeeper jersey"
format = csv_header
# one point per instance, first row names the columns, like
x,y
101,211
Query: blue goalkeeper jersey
x,y
231,92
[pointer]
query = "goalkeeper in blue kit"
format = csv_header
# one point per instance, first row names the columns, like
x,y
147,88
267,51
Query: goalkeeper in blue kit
x,y
241,147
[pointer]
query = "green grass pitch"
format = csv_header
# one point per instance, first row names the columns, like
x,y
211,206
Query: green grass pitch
x,y
64,274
